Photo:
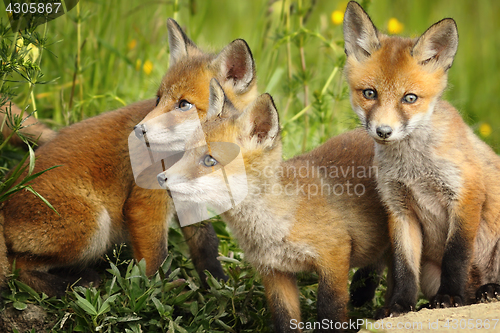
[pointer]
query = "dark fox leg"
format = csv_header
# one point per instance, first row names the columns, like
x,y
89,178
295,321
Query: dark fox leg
x,y
204,248
487,292
364,283
53,282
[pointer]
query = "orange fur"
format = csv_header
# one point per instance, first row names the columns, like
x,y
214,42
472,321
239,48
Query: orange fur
x,y
93,189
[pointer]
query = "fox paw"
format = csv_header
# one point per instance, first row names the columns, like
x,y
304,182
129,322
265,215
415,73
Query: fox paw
x,y
487,292
441,301
393,310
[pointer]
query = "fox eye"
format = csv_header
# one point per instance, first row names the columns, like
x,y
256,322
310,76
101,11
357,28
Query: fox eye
x,y
370,94
158,100
184,105
410,98
209,161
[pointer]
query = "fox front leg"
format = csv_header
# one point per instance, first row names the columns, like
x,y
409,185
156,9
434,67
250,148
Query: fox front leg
x,y
283,299
364,284
464,222
204,250
147,213
406,239
333,295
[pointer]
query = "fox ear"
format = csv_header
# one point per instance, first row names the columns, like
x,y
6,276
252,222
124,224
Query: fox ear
x,y
179,43
360,34
218,104
438,45
261,120
235,64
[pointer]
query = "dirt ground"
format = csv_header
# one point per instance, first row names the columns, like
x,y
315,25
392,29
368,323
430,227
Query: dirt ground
x,y
474,318
33,318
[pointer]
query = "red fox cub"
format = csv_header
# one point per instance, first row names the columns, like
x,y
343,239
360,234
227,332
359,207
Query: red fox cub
x,y
314,212
94,191
437,179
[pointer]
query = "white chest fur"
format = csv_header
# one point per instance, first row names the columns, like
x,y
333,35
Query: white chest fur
x,y
262,234
413,179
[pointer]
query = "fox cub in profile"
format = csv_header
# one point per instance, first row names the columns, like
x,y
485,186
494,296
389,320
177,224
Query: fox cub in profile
x,y
439,181
315,212
94,191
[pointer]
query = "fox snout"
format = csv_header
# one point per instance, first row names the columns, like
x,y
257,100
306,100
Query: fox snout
x,y
140,130
162,179
384,131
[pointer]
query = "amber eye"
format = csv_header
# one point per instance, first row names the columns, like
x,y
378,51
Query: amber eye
x,y
370,94
209,161
158,100
410,98
184,105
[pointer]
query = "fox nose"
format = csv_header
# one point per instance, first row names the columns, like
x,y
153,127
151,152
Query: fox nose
x,y
140,130
384,131
162,179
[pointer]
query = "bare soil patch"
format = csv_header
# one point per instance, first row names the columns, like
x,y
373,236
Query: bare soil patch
x,y
483,317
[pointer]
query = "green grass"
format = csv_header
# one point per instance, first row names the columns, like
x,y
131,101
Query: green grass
x,y
94,62
107,75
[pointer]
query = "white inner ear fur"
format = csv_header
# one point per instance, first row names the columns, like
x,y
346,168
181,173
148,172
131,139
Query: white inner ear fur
x,y
216,100
360,34
176,42
440,41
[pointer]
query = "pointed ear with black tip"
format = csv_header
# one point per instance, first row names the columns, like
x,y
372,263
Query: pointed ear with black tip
x,y
438,45
178,42
218,104
235,64
261,120
360,34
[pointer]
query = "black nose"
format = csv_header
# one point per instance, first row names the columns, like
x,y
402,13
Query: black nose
x,y
384,131
140,130
162,179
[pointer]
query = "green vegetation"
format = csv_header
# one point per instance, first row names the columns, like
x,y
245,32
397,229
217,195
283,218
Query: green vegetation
x,y
108,53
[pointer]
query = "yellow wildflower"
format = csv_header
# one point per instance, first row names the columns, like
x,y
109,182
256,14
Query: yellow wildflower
x,y
33,52
132,44
148,67
138,64
485,130
20,42
337,17
394,26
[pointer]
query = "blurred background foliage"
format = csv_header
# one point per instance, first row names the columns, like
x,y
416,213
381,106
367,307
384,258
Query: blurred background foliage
x,y
108,53
105,54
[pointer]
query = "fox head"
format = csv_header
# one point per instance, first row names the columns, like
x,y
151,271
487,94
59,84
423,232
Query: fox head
x,y
221,160
395,82
182,99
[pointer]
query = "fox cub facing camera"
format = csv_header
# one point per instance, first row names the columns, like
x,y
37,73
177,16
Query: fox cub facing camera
x,y
94,189
439,181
